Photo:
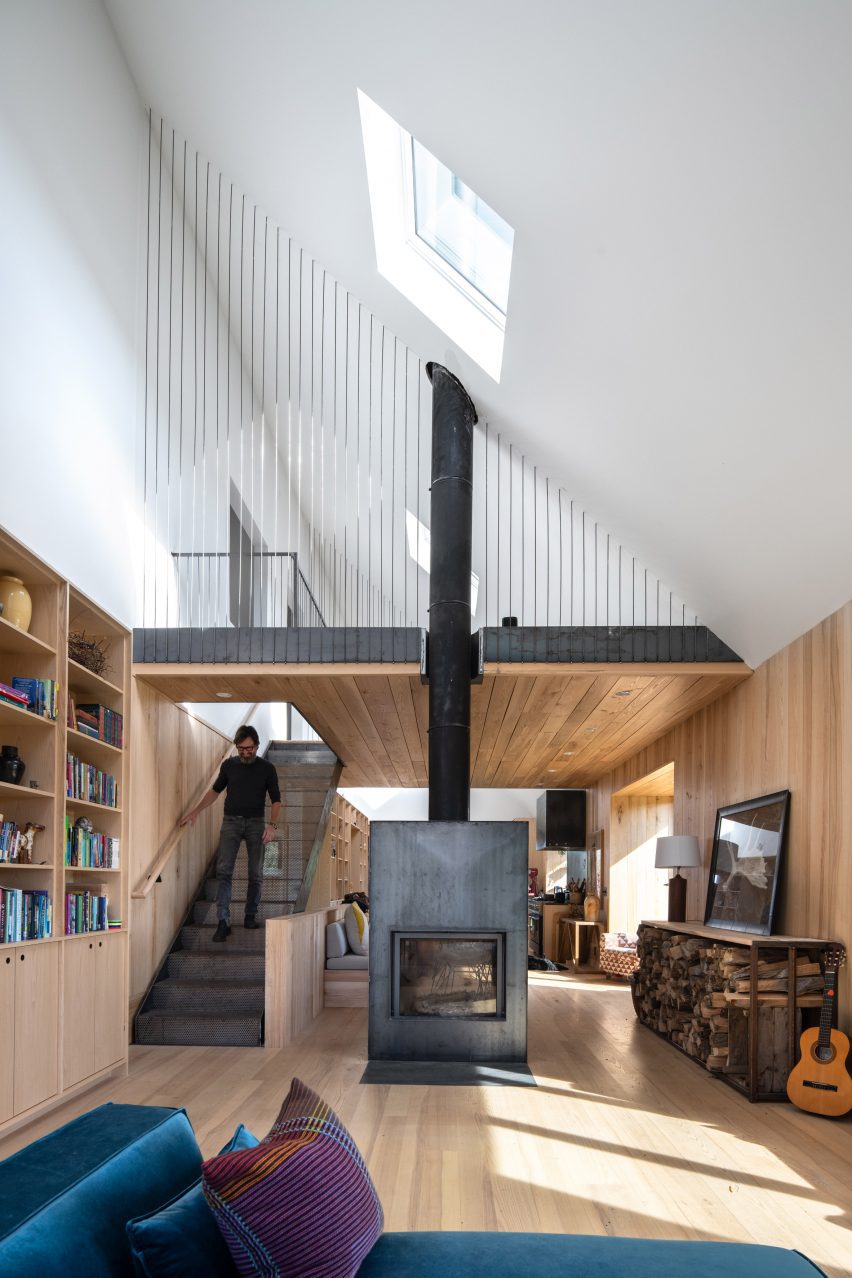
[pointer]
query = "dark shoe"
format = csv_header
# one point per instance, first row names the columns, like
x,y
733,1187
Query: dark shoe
x,y
250,922
222,931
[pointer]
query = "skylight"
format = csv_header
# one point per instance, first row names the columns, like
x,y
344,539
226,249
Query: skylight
x,y
437,241
461,228
420,549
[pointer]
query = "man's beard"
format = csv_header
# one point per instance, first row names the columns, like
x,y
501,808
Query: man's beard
x,y
242,760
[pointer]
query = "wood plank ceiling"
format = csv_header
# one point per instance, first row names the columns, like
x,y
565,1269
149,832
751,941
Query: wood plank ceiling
x,y
537,726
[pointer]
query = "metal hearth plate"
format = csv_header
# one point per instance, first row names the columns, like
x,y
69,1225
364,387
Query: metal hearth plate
x,y
449,1074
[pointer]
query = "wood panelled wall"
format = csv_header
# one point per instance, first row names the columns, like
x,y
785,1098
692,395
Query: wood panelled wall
x,y
174,754
788,727
635,822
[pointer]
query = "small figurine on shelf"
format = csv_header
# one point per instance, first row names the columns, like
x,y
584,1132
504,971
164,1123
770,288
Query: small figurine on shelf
x,y
25,844
533,888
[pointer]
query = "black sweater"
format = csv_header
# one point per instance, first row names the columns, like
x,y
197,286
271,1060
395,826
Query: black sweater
x,y
248,785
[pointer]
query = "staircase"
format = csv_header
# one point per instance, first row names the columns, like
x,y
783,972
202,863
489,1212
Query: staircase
x,y
213,993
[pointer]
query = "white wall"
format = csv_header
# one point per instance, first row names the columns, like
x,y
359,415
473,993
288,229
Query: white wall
x,y
270,719
71,169
412,805
224,716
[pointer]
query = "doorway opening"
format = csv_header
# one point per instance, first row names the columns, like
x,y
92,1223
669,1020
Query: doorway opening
x,y
639,813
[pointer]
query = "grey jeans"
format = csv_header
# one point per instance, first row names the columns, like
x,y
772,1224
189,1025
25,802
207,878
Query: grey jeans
x,y
234,830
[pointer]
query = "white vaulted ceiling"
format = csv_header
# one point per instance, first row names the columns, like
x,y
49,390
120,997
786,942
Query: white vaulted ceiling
x,y
678,178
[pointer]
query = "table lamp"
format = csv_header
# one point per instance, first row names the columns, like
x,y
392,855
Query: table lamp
x,y
673,852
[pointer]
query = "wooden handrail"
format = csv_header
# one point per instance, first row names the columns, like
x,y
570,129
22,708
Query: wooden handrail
x,y
164,854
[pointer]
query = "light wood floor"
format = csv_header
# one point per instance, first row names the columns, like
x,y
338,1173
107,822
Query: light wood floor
x,y
623,1134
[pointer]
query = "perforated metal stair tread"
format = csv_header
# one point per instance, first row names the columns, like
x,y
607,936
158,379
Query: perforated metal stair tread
x,y
217,1029
204,997
210,992
204,912
200,939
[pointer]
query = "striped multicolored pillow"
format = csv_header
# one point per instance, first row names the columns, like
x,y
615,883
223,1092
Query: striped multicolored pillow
x,y
301,1202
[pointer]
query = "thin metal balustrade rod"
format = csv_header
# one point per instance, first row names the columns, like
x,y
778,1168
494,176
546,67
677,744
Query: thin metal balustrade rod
x,y
203,512
276,614
323,590
169,365
218,612
263,532
147,382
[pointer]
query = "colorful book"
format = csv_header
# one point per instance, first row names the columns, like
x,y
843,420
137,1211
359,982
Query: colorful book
x,y
41,695
12,697
110,723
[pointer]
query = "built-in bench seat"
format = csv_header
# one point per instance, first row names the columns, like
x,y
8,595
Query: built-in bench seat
x,y
346,978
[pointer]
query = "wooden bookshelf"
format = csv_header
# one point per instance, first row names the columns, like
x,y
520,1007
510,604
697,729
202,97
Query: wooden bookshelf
x,y
63,999
350,832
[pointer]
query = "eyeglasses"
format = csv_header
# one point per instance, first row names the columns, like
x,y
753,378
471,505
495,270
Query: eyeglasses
x,y
246,749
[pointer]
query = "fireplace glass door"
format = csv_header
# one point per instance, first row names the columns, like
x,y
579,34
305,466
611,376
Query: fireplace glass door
x,y
448,974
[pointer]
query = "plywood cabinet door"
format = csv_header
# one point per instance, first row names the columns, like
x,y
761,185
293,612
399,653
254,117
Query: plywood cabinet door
x,y
78,1011
7,1034
110,1027
36,1024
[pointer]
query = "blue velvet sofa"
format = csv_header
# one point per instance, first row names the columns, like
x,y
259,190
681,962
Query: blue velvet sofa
x,y
65,1201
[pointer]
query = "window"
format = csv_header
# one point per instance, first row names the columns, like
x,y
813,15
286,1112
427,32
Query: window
x,y
437,241
461,228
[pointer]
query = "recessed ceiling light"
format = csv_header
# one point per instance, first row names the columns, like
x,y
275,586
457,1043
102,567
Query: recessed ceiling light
x,y
569,754
551,769
590,729
625,692
223,694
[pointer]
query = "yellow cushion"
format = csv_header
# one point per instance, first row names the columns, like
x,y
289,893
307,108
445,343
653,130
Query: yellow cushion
x,y
357,929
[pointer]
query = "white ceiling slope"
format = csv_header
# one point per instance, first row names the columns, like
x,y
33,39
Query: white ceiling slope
x,y
678,176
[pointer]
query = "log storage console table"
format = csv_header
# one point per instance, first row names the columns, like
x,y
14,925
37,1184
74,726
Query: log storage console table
x,y
726,999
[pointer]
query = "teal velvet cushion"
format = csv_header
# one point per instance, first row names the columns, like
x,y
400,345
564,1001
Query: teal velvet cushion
x,y
181,1238
476,1255
65,1198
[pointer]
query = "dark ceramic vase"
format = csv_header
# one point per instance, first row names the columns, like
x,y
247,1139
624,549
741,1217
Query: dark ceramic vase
x,y
12,767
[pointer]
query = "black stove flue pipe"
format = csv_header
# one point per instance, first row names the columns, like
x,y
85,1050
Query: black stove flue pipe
x,y
453,419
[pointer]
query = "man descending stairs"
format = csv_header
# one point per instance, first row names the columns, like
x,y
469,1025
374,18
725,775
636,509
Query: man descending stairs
x,y
248,783
213,993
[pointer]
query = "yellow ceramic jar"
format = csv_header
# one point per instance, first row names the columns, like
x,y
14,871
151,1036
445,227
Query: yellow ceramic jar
x,y
16,601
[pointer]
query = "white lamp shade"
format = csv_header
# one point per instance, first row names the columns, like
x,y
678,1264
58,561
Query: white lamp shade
x,y
677,850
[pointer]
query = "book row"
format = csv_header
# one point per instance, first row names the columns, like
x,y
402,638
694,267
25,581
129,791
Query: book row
x,y
24,916
39,696
96,721
16,844
85,912
84,781
87,850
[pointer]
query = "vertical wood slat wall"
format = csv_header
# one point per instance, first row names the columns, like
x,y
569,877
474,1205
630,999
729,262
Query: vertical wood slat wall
x,y
788,727
174,756
63,999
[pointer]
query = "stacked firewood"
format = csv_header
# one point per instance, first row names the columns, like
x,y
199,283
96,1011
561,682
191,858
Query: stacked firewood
x,y
680,992
687,986
773,981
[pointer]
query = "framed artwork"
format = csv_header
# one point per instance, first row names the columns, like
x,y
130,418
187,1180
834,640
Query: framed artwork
x,y
745,869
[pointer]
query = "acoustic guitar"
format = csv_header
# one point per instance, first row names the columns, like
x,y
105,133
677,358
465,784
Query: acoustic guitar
x,y
820,1083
